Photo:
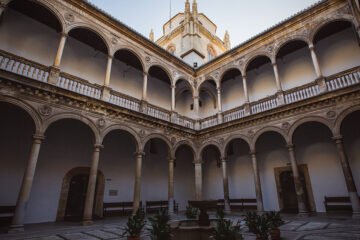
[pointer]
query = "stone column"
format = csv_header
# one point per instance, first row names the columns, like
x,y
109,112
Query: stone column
x,y
196,105
60,50
300,191
171,186
172,98
277,78
244,80
145,81
259,200
24,194
225,184
315,61
90,193
219,99
108,71
350,184
198,180
137,186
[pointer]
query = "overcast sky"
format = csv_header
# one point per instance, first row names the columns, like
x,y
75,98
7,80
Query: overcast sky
x,y
242,18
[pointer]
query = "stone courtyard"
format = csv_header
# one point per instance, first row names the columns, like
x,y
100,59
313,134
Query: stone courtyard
x,y
318,227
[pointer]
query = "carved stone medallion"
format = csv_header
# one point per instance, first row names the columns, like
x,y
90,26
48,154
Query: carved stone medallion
x,y
45,110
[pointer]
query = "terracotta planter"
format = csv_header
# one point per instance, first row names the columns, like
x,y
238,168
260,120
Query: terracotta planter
x,y
133,238
275,234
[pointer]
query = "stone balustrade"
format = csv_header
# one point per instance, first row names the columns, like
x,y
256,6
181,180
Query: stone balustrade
x,y
158,113
234,114
82,87
23,67
27,68
264,105
346,79
301,93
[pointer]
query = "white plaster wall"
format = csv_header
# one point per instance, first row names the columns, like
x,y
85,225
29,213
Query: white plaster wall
x,y
192,58
315,148
16,130
83,61
350,132
296,69
212,175
232,93
183,103
175,22
126,79
28,38
338,52
211,27
159,93
261,82
68,144
240,172
271,153
208,107
154,180
184,177
117,163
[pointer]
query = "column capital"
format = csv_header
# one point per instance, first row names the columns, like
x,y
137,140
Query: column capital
x,y
311,46
252,152
140,153
145,73
274,63
198,162
98,147
290,147
195,97
244,76
39,137
173,86
110,56
172,160
223,159
218,89
64,34
338,138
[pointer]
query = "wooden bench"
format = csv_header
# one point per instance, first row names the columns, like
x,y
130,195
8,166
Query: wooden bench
x,y
6,214
337,204
240,204
118,208
154,206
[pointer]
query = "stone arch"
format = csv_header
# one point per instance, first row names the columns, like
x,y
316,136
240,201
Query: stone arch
x,y
28,109
230,68
208,79
231,138
53,10
342,116
304,120
131,50
289,40
75,116
162,67
325,22
182,143
65,191
183,89
153,136
129,130
200,152
210,93
91,28
184,78
255,55
264,130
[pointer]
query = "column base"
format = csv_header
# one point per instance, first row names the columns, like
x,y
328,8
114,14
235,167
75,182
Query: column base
x,y
16,229
105,95
356,215
303,214
322,84
220,117
87,222
54,75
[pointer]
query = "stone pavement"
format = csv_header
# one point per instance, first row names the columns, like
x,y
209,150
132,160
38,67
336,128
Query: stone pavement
x,y
309,228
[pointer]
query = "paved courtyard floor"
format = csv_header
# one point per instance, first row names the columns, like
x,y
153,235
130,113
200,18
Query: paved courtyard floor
x,y
318,227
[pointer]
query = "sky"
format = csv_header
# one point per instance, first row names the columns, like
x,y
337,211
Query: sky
x,y
242,18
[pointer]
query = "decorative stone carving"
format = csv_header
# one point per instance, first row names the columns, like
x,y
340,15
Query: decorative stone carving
x,y
270,49
285,125
251,133
331,114
69,17
45,110
147,59
114,41
101,123
142,133
173,140
221,141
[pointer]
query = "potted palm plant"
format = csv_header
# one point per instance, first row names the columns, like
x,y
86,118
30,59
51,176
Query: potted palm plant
x,y
274,221
225,229
191,212
257,224
160,227
134,226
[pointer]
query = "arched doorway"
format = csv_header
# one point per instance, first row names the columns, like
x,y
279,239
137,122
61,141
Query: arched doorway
x,y
73,194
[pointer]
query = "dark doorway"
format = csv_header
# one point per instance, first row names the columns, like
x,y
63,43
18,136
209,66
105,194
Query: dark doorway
x,y
75,203
288,192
